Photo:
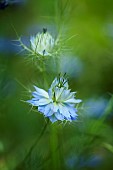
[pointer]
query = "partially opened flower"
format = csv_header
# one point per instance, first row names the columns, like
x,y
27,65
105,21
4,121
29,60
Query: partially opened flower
x,y
42,43
58,103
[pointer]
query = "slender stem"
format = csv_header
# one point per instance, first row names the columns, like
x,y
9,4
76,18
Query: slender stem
x,y
54,146
37,140
33,146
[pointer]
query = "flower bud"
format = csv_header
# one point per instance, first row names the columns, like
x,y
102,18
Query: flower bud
x,y
42,43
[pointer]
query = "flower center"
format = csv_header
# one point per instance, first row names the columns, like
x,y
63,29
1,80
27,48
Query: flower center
x,y
61,81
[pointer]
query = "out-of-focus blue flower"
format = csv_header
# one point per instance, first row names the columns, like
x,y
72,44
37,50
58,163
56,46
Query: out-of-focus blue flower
x,y
73,66
12,47
5,3
82,162
94,161
42,43
95,108
71,162
58,103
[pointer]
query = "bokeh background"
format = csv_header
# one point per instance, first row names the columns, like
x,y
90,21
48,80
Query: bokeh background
x,y
86,144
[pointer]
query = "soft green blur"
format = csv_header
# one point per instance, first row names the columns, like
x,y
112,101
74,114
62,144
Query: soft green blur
x,y
92,23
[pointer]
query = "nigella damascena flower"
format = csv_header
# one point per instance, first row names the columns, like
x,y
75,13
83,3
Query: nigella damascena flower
x,y
58,103
42,43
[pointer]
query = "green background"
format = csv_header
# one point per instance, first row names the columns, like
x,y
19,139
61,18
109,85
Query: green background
x,y
92,23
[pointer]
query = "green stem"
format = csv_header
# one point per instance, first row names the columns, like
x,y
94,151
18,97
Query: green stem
x,y
54,146
32,147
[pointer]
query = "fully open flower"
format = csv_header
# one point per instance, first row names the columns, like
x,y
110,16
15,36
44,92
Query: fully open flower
x,y
42,43
58,103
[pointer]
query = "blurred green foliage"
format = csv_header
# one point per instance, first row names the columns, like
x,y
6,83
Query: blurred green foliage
x,y
92,23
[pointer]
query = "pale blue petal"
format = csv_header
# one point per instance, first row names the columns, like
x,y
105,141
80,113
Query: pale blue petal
x,y
55,107
58,92
64,111
54,83
33,102
50,113
73,101
72,111
65,95
66,85
50,93
41,109
78,100
53,118
41,92
47,111
74,115
44,101
35,94
59,116
69,119
32,38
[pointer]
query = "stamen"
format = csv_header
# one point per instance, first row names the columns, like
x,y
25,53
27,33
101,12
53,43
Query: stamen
x,y
44,52
44,30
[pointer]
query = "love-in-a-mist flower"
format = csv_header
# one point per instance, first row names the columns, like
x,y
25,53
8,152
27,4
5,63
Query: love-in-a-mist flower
x,y
42,43
58,103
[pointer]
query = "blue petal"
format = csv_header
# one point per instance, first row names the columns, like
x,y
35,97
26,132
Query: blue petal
x,y
41,92
54,83
58,92
33,102
59,116
73,118
41,109
65,95
48,111
43,101
53,118
64,111
50,93
35,94
73,101
55,107
72,111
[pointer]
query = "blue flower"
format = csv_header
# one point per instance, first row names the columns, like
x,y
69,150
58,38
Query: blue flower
x,y
80,162
58,103
95,108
